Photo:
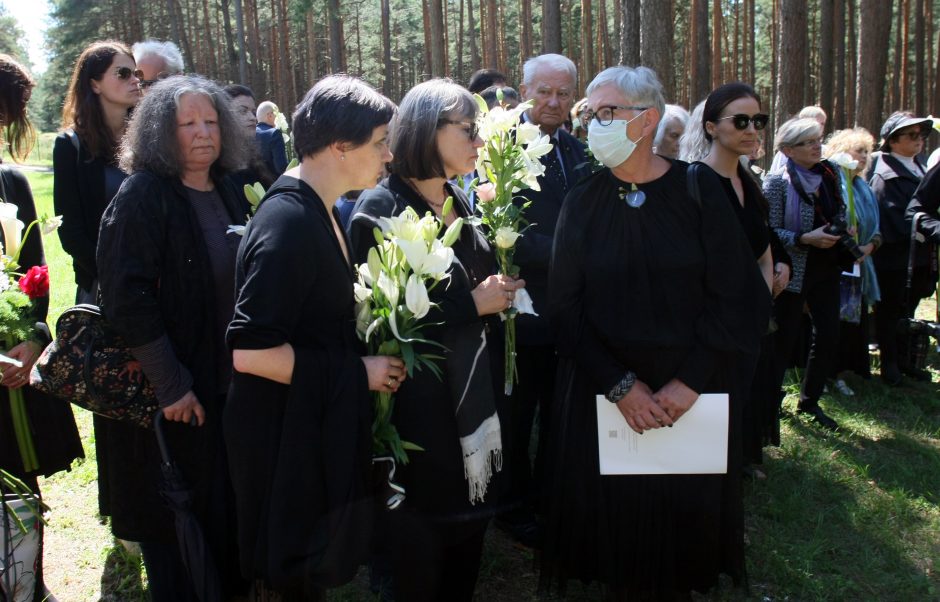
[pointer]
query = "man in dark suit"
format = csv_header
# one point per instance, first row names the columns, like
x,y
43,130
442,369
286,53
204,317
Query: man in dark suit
x,y
270,140
550,81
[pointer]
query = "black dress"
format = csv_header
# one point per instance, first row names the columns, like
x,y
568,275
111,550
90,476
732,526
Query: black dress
x,y
666,290
299,454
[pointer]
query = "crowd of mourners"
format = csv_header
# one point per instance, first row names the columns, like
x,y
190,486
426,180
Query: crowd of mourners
x,y
662,261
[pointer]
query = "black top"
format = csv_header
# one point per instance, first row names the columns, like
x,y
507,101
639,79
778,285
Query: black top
x,y
300,454
751,215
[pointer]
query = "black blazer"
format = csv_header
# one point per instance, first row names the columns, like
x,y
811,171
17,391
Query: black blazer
x,y
534,251
271,146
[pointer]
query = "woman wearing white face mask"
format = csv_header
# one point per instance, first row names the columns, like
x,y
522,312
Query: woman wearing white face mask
x,y
652,293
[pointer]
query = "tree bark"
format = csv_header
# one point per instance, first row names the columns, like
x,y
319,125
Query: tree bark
x,y
699,67
905,36
873,34
312,45
792,58
630,32
920,51
827,43
587,40
525,28
717,72
471,27
656,43
551,26
436,21
838,117
388,68
337,43
851,61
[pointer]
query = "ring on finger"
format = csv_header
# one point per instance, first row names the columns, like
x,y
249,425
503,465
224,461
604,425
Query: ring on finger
x,y
388,383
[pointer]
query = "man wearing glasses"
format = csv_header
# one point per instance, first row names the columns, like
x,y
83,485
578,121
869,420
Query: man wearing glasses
x,y
155,61
550,81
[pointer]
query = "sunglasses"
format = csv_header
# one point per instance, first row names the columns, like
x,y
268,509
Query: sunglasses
x,y
472,129
124,73
740,121
810,142
915,135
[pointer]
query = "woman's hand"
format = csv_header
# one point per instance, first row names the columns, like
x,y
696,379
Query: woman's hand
x,y
818,238
675,398
866,251
495,294
781,278
26,352
385,372
185,408
641,410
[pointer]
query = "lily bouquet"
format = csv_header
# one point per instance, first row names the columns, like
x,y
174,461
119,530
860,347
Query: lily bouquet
x,y
409,260
17,290
507,163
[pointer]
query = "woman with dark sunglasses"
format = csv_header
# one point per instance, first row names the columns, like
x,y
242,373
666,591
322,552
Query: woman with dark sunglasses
x,y
732,121
809,216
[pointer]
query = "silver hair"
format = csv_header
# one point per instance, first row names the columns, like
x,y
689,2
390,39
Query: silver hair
x,y
549,61
693,146
672,114
150,143
813,112
264,108
640,85
796,130
168,51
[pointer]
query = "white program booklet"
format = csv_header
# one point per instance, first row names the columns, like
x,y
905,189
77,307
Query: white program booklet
x,y
696,444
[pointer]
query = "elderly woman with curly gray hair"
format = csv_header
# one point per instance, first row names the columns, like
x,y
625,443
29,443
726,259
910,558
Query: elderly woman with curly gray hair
x,y
167,266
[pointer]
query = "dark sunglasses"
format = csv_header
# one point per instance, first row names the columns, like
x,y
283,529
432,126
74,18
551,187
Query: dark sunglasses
x,y
741,120
126,73
146,83
914,135
472,129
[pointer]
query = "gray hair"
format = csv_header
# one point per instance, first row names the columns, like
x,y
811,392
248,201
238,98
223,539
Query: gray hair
x,y
693,146
168,51
813,112
413,133
150,143
264,108
672,114
640,85
548,61
796,130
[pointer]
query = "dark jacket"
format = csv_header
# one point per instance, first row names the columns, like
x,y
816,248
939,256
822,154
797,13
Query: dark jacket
x,y
534,250
927,200
155,280
271,145
894,187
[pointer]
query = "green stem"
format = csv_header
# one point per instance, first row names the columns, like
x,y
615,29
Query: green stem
x,y
24,438
850,192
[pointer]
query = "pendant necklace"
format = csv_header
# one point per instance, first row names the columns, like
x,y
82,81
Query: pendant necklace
x,y
634,197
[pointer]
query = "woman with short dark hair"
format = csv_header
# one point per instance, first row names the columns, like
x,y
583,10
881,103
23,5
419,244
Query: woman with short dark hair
x,y
299,414
437,533
167,282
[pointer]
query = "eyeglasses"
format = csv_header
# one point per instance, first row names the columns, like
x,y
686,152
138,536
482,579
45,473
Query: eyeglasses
x,y
146,83
472,129
741,121
915,135
126,73
810,142
605,115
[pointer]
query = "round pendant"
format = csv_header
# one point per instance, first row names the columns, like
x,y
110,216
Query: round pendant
x,y
636,198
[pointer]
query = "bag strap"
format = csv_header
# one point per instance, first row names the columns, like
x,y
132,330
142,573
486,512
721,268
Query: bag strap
x,y
692,183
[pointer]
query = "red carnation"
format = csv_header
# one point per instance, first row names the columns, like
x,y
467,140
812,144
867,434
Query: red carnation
x,y
35,282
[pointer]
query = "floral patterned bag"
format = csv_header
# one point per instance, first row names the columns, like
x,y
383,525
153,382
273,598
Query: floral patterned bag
x,y
89,365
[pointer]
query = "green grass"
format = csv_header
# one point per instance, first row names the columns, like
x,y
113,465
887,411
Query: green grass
x,y
41,154
850,516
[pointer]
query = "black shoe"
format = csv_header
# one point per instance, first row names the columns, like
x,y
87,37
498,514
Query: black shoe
x,y
890,374
820,418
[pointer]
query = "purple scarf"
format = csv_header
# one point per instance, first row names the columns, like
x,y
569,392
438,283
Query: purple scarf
x,y
810,182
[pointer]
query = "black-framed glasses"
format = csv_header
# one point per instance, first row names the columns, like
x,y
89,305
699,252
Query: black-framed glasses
x,y
915,134
471,128
810,142
124,73
605,114
740,121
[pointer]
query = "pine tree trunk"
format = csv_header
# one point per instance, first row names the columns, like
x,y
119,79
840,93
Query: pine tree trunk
x,y
656,42
895,96
838,117
920,51
717,72
827,43
471,28
436,46
851,62
699,67
792,55
525,28
313,58
630,32
905,34
461,76
873,34
337,43
587,40
551,26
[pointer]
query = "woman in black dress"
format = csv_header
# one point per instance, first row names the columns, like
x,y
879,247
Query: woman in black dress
x,y
299,414
437,534
653,293
732,122
52,426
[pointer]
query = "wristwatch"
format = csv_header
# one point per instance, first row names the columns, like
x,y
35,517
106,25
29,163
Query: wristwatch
x,y
621,388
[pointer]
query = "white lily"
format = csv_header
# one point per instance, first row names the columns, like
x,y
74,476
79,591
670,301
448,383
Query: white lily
x,y
538,147
12,227
236,229
844,160
453,232
363,313
506,237
389,288
416,297
280,121
361,293
405,225
426,261
48,225
374,267
527,132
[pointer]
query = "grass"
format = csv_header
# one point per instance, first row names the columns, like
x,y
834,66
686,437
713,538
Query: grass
x,y
41,155
851,516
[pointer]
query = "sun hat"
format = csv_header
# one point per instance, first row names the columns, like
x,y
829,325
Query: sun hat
x,y
900,120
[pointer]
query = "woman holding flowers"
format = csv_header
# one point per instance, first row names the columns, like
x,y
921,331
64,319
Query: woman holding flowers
x,y
655,293
436,536
299,415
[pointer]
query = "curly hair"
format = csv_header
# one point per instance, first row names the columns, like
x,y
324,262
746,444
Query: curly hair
x,y
16,86
150,142
847,140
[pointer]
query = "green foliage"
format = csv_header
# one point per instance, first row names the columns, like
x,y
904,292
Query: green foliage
x,y
11,37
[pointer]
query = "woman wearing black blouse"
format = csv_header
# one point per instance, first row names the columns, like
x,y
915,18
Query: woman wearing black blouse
x,y
437,534
299,414
732,120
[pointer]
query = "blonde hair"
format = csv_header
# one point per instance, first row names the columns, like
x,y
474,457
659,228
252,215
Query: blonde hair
x,y
846,140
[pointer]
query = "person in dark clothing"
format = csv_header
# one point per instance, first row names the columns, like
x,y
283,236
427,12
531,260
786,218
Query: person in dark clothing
x,y
485,78
805,200
244,105
299,414
167,287
51,423
653,296
270,139
435,539
894,177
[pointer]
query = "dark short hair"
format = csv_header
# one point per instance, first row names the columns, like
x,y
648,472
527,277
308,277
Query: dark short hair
x,y
236,90
339,108
484,78
489,95
414,130
721,97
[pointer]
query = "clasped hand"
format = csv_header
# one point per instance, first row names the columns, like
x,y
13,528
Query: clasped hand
x,y
27,353
645,410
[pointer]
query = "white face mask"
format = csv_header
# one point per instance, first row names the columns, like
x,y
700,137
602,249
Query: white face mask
x,y
610,143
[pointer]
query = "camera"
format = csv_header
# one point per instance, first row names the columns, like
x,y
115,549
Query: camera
x,y
839,228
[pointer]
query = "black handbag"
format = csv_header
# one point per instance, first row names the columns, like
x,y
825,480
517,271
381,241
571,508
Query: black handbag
x,y
89,364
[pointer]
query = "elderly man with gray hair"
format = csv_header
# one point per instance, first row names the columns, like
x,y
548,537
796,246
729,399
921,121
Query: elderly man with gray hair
x,y
550,81
156,60
270,141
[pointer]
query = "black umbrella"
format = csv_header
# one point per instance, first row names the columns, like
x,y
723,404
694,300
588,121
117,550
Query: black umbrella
x,y
193,548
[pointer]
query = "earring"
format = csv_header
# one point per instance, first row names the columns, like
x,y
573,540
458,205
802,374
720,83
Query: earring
x,y
342,157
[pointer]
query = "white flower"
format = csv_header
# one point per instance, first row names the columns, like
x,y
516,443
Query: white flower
x,y
538,147
280,122
527,132
363,313
361,293
506,237
236,229
374,267
405,225
844,160
416,297
12,227
424,261
389,288
452,233
48,225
